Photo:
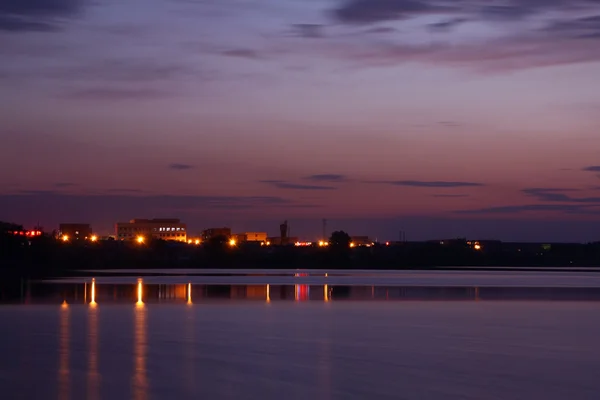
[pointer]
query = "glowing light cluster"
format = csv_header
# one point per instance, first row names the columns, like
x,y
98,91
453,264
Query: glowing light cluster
x,y
302,244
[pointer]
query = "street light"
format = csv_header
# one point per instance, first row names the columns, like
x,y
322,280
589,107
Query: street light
x,y
65,238
232,242
94,238
140,239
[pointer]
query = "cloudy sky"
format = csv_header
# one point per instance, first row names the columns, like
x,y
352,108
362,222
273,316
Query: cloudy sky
x,y
441,118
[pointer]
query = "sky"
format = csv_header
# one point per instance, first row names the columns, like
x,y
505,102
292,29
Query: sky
x,y
439,118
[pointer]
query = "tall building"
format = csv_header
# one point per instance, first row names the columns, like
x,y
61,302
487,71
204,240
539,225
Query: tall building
x,y
68,232
165,229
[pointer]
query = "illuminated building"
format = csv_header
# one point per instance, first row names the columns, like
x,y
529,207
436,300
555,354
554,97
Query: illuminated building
x,y
255,236
165,229
74,232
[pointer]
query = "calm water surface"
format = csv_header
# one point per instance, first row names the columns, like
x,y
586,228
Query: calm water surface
x,y
301,341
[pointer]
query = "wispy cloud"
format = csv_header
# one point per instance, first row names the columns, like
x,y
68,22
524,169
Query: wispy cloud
x,y
116,94
124,190
585,27
311,31
449,195
558,195
39,192
380,29
242,53
36,15
180,167
446,25
327,178
297,186
371,11
64,184
374,11
433,184
565,208
593,168
119,202
565,40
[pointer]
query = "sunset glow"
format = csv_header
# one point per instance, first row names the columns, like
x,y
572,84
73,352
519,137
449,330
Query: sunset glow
x,y
435,117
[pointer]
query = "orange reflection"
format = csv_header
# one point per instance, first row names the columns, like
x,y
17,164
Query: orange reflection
x,y
139,303
93,375
140,381
64,355
189,293
93,293
189,368
268,293
326,293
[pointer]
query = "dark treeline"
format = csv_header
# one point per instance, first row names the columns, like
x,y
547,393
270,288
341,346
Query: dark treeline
x,y
45,256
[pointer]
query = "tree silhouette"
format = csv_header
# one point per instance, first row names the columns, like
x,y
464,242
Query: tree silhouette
x,y
340,240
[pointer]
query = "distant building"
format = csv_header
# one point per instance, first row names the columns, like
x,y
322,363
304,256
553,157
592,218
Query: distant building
x,y
215,232
165,229
361,241
69,232
252,237
277,241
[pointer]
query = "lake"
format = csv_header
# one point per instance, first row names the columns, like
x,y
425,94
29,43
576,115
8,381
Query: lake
x,y
289,334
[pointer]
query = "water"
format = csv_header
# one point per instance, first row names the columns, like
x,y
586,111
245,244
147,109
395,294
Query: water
x,y
298,341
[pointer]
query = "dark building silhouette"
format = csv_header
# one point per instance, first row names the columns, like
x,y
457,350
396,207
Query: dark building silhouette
x,y
215,232
74,231
284,233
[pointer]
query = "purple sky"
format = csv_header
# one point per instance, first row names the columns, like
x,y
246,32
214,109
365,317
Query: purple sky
x,y
442,118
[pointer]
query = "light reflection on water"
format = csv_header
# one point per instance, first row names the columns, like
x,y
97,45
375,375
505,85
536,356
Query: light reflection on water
x,y
93,375
140,381
333,350
64,354
320,341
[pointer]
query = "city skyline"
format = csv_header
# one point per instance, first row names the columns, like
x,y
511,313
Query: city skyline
x,y
437,118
